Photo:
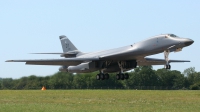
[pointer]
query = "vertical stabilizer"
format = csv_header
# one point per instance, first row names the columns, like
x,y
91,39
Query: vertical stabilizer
x,y
67,44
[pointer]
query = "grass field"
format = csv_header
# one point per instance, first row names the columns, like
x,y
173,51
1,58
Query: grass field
x,y
99,100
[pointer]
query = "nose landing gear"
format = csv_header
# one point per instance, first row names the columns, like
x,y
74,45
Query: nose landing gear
x,y
168,67
166,54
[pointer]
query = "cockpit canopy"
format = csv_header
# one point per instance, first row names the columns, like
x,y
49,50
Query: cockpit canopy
x,y
172,35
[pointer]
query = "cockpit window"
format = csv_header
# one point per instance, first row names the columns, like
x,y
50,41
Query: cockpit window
x,y
172,35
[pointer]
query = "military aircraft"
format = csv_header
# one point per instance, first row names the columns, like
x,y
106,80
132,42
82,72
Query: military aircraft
x,y
115,60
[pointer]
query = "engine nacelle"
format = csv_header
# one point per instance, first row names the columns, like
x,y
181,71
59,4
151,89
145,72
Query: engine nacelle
x,y
94,66
83,68
63,69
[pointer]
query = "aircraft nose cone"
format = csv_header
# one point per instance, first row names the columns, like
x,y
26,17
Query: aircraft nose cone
x,y
188,42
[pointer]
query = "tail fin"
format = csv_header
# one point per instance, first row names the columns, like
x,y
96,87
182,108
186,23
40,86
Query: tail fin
x,y
67,44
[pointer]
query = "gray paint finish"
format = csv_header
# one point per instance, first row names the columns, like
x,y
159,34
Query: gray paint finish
x,y
137,52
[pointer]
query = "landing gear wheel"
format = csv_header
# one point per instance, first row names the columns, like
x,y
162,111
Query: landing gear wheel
x,y
98,77
118,77
122,76
107,76
126,76
102,76
168,67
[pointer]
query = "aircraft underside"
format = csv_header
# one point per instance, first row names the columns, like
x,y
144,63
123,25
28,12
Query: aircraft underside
x,y
104,67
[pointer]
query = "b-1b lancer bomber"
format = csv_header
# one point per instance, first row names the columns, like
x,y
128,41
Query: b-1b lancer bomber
x,y
115,60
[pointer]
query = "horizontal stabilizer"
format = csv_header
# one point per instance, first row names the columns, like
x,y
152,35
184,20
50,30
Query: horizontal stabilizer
x,y
46,53
154,59
66,54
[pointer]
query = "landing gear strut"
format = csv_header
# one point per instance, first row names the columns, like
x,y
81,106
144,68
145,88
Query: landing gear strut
x,y
121,75
101,75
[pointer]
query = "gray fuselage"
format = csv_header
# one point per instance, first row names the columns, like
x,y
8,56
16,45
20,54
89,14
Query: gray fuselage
x,y
150,46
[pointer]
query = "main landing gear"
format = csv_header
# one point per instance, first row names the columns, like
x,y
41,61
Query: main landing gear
x,y
106,76
122,76
119,76
102,76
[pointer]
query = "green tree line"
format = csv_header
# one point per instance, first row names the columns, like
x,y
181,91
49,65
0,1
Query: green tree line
x,y
143,77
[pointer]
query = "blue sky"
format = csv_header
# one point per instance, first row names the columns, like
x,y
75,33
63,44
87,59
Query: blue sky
x,y
34,26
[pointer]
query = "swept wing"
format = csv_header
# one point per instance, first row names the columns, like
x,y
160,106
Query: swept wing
x,y
76,61
154,61
65,61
